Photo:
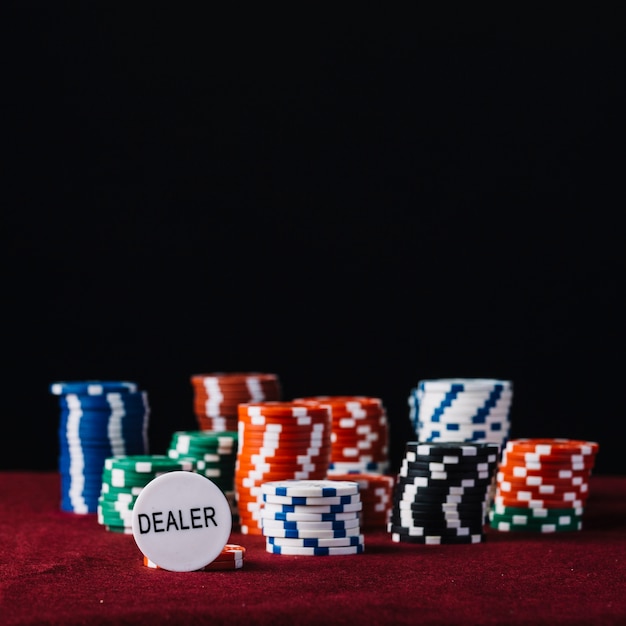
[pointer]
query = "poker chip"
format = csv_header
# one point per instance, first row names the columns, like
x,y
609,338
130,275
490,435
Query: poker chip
x,y
403,537
359,434
306,533
553,447
98,419
269,524
123,479
318,551
91,387
313,508
278,441
537,481
313,501
218,394
534,462
451,385
311,488
546,490
317,542
546,527
435,506
532,522
542,485
442,448
231,557
535,513
129,400
312,518
409,527
289,516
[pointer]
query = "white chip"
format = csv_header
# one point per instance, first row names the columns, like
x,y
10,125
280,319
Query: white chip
x,y
310,488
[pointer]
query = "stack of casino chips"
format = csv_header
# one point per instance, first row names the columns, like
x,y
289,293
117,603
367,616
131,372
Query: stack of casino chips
x,y
442,492
278,441
217,395
99,419
462,409
123,479
213,454
542,485
312,517
230,558
360,434
376,493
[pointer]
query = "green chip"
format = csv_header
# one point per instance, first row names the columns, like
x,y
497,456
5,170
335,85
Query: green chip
x,y
146,463
535,513
207,441
521,520
545,527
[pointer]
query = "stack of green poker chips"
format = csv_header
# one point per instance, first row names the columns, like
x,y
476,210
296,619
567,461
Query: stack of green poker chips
x,y
123,479
214,455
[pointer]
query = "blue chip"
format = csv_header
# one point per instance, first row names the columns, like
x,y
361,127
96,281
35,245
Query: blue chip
x,y
105,401
92,387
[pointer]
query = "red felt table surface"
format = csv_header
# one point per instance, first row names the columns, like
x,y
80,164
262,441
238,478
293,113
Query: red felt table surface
x,y
59,568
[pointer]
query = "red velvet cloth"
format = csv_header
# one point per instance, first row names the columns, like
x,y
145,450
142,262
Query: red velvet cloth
x,y
59,568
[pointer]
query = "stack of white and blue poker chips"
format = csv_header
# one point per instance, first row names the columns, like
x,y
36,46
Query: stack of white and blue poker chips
x,y
99,419
461,409
442,492
123,478
213,454
312,517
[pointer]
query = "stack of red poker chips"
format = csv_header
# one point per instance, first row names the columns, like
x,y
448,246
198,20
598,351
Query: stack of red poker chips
x,y
230,558
360,434
217,395
278,441
376,491
542,485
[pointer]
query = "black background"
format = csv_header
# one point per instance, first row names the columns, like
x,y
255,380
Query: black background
x,y
355,205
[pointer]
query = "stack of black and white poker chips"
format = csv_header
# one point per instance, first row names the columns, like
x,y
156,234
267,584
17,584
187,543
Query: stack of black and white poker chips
x,y
442,492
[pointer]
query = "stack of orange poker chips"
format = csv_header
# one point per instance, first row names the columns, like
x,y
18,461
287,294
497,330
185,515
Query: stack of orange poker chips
x,y
542,485
278,441
217,395
376,491
360,434
231,557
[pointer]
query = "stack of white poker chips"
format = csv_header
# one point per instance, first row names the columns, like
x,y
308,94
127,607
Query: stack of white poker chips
x,y
312,517
462,409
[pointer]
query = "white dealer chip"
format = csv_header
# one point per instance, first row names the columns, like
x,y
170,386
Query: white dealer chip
x,y
181,521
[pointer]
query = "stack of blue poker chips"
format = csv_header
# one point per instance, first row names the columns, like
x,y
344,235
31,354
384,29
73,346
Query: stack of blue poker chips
x,y
461,409
99,419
